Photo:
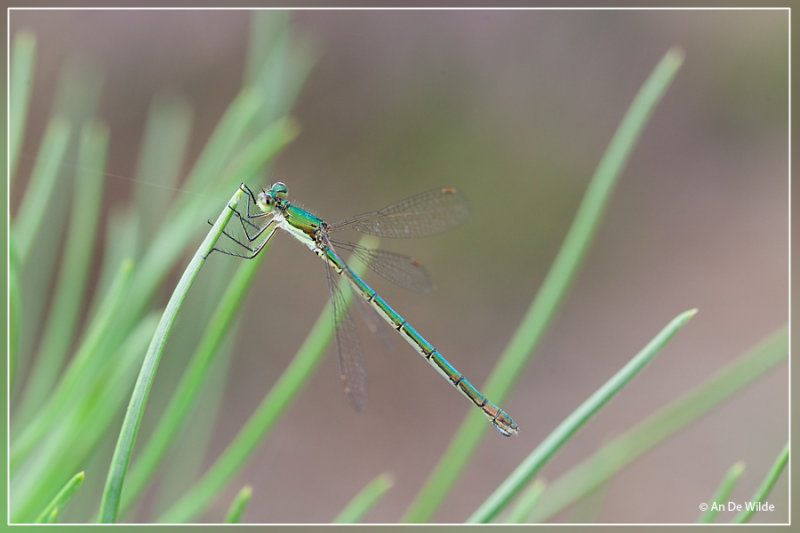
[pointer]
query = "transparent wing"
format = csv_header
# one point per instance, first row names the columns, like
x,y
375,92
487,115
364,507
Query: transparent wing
x,y
376,326
400,269
348,346
425,214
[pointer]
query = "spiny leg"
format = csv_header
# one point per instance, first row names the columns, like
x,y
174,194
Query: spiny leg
x,y
253,251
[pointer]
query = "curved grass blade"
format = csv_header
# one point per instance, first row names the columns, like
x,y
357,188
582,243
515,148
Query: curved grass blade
x,y
570,425
559,279
60,499
623,450
130,425
239,505
174,416
23,60
365,500
199,497
722,493
765,488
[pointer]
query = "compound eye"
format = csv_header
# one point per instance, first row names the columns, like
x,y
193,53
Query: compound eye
x,y
280,190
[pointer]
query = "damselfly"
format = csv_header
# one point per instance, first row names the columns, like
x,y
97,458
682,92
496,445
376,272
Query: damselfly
x,y
425,214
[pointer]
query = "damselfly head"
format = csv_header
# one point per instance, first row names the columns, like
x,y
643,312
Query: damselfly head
x,y
265,201
268,199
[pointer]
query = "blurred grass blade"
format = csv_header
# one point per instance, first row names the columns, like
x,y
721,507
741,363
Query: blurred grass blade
x,y
76,435
553,290
239,505
262,149
765,488
61,498
623,450
60,329
166,137
32,211
224,140
286,388
570,425
526,503
130,424
14,311
722,494
365,500
173,418
76,375
52,518
23,60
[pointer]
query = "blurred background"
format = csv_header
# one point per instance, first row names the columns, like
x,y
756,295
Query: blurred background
x,y
515,109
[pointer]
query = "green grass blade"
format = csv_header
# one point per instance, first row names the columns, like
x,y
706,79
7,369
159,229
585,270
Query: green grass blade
x,y
174,416
527,502
286,388
765,488
262,149
14,311
164,143
71,442
60,330
570,425
130,425
623,450
75,377
23,60
722,493
225,139
239,505
553,291
52,518
40,190
365,500
61,498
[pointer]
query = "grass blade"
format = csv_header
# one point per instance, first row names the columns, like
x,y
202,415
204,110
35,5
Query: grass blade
x,y
130,425
176,413
61,499
723,492
14,311
365,500
42,186
236,511
554,288
286,388
23,60
164,143
570,425
527,502
623,450
70,288
76,373
765,488
52,518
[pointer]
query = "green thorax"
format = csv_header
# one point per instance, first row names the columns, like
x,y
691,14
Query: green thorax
x,y
302,220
